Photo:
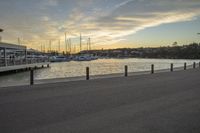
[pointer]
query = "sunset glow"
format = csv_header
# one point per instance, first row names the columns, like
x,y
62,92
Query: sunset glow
x,y
109,23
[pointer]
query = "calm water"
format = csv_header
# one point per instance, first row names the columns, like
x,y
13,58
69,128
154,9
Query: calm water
x,y
97,67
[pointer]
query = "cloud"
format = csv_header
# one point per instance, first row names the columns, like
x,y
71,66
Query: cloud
x,y
123,3
106,22
130,17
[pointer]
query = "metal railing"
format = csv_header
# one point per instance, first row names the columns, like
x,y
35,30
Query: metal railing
x,y
13,62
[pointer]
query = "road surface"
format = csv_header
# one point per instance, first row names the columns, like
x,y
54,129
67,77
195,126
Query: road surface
x,y
158,103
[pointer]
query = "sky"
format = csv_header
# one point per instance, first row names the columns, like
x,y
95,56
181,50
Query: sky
x,y
109,23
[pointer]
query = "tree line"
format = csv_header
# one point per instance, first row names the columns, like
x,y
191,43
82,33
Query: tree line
x,y
190,51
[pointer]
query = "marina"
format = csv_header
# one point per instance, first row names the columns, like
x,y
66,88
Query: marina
x,y
15,57
76,70
17,61
99,66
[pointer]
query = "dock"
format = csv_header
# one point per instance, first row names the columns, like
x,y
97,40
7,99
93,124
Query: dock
x,y
17,57
167,102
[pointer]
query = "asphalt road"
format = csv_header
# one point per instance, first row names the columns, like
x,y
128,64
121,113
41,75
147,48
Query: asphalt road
x,y
158,103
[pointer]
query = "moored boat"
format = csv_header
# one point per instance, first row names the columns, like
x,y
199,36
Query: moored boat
x,y
59,59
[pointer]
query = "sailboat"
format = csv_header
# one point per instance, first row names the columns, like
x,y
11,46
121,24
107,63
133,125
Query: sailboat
x,y
85,57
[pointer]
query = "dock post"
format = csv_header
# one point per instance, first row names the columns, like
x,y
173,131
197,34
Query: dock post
x,y
185,66
194,65
126,71
47,65
172,67
199,64
31,77
87,73
152,69
5,57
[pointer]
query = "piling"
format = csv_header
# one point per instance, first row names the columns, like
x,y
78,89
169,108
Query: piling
x,y
87,73
152,69
194,65
48,65
126,71
172,67
31,77
199,64
185,66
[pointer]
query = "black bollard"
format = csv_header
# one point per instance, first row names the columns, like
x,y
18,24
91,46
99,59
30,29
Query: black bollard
x,y
152,69
87,73
185,66
126,71
194,65
172,67
31,77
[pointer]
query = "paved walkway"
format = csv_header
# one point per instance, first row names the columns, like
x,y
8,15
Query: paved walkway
x,y
159,103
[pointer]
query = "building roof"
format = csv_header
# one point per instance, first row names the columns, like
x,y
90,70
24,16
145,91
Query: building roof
x,y
11,46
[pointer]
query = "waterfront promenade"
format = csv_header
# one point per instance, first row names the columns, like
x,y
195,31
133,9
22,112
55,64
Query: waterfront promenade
x,y
155,103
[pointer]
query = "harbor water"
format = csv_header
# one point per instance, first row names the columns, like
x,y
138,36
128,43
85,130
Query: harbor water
x,y
97,67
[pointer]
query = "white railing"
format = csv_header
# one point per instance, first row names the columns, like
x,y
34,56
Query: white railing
x,y
13,62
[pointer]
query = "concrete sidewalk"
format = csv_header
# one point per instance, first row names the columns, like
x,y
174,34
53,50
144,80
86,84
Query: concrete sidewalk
x,y
159,103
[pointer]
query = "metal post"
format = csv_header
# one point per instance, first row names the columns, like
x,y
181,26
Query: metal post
x,y
172,67
185,66
25,56
126,71
31,77
194,65
152,69
5,59
199,64
14,62
87,73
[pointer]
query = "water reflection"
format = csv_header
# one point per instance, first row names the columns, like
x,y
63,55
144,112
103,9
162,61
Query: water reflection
x,y
97,67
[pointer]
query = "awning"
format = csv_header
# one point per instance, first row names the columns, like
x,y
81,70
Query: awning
x,y
11,46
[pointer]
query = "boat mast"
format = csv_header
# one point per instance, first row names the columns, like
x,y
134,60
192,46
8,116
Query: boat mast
x,y
70,43
41,47
19,41
58,45
50,46
66,42
80,42
90,43
44,47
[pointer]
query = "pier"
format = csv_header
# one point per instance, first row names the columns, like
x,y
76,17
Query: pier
x,y
153,103
16,57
